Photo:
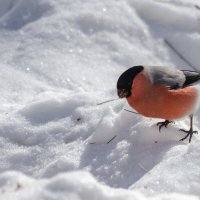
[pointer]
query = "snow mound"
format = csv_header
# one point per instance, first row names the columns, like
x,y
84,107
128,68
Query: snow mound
x,y
52,109
74,186
15,14
164,14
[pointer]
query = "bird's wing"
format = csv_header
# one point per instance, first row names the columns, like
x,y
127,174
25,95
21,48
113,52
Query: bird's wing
x,y
167,76
191,77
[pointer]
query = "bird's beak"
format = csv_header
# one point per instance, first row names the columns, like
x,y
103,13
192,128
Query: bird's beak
x,y
122,93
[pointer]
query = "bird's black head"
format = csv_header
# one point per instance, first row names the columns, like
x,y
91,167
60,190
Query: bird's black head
x,y
124,82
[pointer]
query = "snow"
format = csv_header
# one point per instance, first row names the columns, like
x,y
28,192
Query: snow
x,y
70,186
189,41
58,60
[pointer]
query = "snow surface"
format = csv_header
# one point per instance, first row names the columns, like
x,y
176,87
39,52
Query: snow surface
x,y
58,60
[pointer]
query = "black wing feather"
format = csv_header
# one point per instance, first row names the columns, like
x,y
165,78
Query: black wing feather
x,y
190,77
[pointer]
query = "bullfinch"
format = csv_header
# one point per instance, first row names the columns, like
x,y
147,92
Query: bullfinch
x,y
161,92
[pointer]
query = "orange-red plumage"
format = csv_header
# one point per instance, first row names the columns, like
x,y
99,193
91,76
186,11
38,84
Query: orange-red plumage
x,y
158,101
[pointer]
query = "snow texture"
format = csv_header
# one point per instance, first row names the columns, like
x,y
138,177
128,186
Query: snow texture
x,y
58,60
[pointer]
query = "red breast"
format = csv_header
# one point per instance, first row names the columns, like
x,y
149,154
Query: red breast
x,y
158,101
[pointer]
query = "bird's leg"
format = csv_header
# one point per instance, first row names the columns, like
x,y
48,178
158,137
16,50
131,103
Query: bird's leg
x,y
165,123
190,132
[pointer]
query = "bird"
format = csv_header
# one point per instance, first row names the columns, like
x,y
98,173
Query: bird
x,y
161,92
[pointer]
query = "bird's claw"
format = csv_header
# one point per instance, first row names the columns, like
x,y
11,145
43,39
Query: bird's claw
x,y
189,134
165,124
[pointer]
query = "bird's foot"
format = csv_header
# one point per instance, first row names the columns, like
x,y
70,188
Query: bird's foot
x,y
165,124
189,134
